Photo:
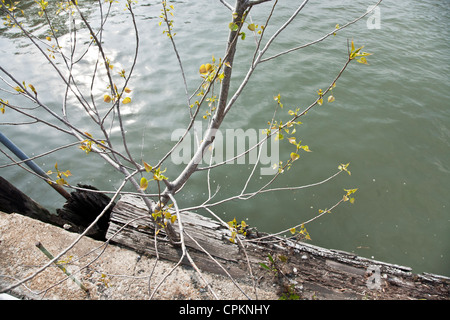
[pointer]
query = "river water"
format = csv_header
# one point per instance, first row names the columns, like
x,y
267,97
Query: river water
x,y
390,119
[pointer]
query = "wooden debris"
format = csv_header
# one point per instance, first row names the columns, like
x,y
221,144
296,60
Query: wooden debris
x,y
12,200
79,211
83,207
131,225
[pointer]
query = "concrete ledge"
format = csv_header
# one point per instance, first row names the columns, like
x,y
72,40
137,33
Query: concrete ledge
x,y
109,273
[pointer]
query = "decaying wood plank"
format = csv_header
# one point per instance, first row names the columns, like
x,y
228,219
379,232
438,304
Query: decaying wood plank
x,y
137,231
83,207
79,211
12,200
312,271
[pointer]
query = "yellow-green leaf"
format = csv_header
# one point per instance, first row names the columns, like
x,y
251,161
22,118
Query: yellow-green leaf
x,y
292,140
144,183
251,27
126,100
306,148
147,167
294,156
362,60
343,167
61,182
19,89
350,191
34,89
279,136
233,26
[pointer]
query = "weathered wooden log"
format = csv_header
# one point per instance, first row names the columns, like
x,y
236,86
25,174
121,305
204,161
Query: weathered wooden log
x,y
131,225
83,207
309,270
79,211
12,200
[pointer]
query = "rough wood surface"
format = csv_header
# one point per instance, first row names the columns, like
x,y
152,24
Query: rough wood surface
x,y
301,269
12,200
83,207
131,218
79,211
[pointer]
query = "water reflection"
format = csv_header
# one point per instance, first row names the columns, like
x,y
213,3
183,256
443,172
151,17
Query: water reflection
x,y
36,23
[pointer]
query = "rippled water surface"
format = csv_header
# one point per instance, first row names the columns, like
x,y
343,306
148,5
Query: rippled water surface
x,y
390,119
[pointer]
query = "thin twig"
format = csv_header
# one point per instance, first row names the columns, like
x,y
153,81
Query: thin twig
x,y
336,30
50,256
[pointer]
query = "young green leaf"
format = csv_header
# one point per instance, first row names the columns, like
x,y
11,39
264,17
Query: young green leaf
x,y
294,156
350,191
343,167
362,60
292,140
126,100
147,167
233,26
143,184
264,266
34,89
306,148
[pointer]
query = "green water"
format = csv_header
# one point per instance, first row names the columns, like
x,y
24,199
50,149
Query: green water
x,y
390,119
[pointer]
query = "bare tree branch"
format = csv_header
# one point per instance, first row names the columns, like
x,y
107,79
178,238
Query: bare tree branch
x,y
226,4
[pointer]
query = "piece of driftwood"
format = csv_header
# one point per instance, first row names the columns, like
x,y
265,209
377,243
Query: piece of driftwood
x,y
298,267
131,225
12,200
83,207
79,211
